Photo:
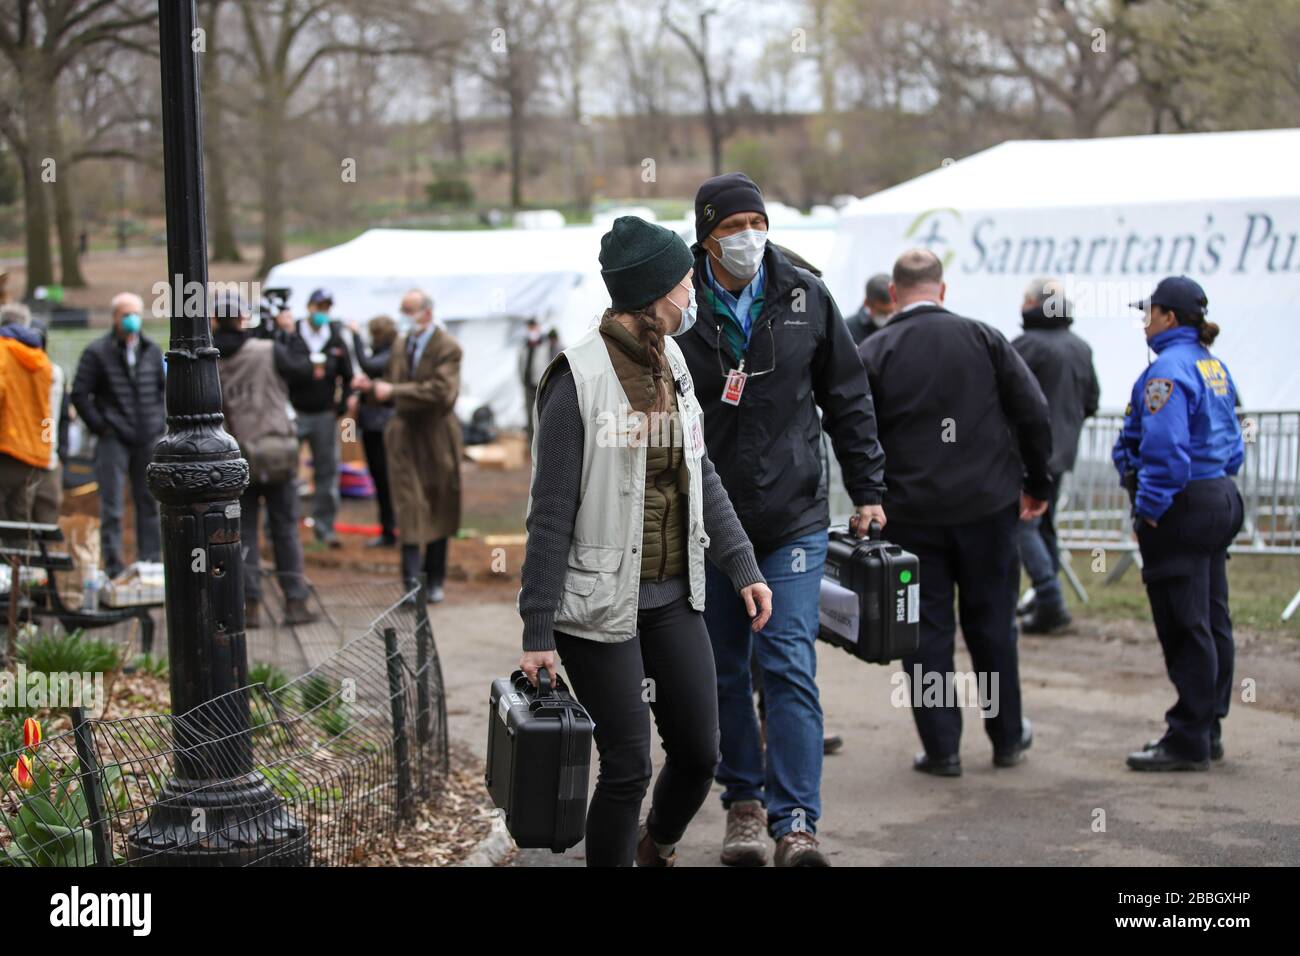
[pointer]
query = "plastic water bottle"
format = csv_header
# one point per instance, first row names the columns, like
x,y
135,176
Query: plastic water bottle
x,y
90,594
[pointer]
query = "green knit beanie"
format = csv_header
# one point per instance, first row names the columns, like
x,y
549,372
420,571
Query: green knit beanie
x,y
641,262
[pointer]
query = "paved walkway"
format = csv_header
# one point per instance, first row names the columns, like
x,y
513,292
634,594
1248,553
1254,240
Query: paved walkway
x,y
1092,697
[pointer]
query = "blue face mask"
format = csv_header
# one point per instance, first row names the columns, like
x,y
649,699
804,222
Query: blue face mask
x,y
320,319
131,323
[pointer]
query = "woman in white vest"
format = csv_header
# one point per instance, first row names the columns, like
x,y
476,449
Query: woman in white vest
x,y
625,505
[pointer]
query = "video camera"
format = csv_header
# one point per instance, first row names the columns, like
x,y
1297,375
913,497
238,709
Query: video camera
x,y
274,301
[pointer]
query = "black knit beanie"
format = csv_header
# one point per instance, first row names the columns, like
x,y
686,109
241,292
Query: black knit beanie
x,y
723,196
640,262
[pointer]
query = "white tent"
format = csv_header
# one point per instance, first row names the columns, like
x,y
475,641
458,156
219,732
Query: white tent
x,y
1110,217
485,284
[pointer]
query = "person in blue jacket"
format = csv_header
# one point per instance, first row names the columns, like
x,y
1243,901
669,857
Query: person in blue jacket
x,y
1179,445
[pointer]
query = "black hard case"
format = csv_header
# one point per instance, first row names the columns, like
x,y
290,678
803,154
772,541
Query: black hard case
x,y
886,580
538,759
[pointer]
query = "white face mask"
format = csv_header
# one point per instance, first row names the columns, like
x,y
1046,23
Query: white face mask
x,y
742,253
688,311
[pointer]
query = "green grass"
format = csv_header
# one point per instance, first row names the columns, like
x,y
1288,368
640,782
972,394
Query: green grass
x,y
1260,586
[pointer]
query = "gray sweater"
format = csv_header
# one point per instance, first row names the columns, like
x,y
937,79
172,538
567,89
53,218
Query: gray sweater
x,y
557,478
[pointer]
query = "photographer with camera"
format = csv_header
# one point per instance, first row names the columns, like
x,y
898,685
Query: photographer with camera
x,y
256,375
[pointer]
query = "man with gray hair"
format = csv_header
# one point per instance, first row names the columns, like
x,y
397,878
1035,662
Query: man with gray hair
x,y
1062,363
876,309
422,440
119,393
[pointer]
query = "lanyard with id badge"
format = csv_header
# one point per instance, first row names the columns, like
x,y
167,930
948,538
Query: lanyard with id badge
x,y
738,377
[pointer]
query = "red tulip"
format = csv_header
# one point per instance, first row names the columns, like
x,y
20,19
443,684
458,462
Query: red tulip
x,y
31,733
22,772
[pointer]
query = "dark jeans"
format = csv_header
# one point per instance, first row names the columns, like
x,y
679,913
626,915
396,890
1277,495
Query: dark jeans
x,y
978,560
435,562
282,519
1041,553
1184,566
115,464
377,462
666,668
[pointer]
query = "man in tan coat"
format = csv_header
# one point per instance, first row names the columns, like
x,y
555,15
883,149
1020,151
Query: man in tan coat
x,y
423,440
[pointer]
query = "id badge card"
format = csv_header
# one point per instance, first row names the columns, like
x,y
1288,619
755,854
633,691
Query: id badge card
x,y
695,437
735,386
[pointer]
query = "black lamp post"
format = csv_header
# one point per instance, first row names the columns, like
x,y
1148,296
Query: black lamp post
x,y
216,810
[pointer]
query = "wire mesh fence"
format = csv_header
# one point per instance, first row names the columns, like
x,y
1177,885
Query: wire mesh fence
x,y
310,771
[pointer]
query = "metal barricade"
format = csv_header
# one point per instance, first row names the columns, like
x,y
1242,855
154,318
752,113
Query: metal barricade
x,y
1093,510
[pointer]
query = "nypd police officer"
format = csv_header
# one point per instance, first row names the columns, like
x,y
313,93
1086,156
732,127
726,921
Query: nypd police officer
x,y
1179,446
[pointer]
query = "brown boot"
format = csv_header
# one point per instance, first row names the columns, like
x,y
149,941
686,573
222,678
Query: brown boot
x,y
295,612
649,853
252,615
799,848
745,843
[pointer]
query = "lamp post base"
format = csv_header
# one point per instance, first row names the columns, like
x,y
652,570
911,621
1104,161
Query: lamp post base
x,y
240,822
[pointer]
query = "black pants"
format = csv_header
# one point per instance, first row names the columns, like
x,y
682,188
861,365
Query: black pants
x,y
377,463
666,668
435,562
980,561
1184,567
116,465
282,522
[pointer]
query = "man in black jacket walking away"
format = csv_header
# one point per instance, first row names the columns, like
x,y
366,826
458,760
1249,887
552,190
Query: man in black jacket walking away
x,y
119,393
1062,363
967,435
770,349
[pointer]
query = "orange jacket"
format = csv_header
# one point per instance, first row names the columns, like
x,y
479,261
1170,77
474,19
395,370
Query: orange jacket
x,y
28,426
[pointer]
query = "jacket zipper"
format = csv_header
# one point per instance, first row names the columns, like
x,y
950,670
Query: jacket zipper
x,y
663,534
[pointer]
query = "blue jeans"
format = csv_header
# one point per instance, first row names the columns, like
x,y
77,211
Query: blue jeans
x,y
1039,563
790,783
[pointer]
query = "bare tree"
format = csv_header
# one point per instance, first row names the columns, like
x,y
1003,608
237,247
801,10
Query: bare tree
x,y
713,80
39,41
283,44
518,44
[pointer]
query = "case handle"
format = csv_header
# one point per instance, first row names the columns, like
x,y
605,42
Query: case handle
x,y
873,530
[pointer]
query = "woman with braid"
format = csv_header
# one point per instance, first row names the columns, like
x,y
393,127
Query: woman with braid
x,y
625,505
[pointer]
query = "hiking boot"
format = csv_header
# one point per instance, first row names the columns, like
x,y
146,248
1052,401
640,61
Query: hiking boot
x,y
745,843
296,612
649,853
252,614
799,848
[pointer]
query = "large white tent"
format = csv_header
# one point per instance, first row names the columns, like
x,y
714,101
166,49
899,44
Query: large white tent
x,y
1110,217
485,285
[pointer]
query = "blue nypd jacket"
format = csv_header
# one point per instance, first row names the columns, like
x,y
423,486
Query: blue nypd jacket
x,y
1181,423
